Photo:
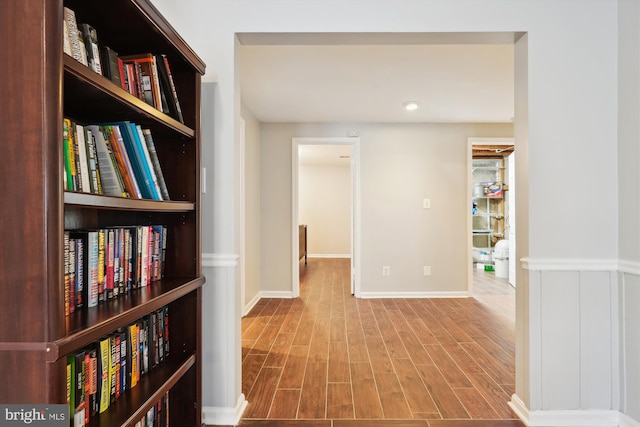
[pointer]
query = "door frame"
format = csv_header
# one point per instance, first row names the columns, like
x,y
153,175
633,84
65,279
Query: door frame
x,y
354,142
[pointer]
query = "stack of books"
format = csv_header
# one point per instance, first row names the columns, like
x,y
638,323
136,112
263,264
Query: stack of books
x,y
146,76
115,159
103,264
100,373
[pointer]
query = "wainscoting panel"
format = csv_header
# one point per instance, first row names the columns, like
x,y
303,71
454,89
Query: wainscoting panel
x,y
575,344
596,340
630,331
587,318
560,339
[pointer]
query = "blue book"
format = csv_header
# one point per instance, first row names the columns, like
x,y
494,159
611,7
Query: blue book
x,y
149,161
141,147
136,156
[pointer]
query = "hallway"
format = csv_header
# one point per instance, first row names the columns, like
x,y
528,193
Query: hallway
x,y
330,357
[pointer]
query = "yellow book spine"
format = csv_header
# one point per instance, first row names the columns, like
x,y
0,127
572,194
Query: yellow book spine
x,y
133,340
105,364
71,147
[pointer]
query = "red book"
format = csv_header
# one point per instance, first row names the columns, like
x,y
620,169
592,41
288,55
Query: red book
x,y
123,80
109,263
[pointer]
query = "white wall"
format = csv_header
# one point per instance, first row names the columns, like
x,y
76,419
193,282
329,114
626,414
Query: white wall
x,y
629,130
324,205
629,203
572,105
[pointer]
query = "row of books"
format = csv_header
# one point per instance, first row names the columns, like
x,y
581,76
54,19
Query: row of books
x,y
158,415
104,264
100,373
146,76
115,159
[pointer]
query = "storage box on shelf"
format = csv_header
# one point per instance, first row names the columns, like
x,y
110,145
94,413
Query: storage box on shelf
x,y
41,85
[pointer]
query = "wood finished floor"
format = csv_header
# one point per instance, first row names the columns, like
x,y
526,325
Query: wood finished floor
x,y
328,359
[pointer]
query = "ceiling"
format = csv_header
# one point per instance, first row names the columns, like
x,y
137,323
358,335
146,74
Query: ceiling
x,y
313,77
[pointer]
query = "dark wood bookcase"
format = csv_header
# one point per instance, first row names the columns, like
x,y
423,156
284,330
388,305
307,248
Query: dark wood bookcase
x,y
39,85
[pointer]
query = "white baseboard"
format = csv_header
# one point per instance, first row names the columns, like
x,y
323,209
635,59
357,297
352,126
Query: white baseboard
x,y
577,418
627,421
521,410
249,306
265,294
218,416
435,294
329,255
275,294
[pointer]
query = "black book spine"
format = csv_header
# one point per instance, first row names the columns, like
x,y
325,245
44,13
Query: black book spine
x,y
111,69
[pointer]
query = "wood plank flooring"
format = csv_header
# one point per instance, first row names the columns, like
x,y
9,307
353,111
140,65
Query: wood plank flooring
x,y
328,359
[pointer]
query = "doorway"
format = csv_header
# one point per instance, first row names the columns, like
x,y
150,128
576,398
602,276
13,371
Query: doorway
x,y
327,153
521,131
492,212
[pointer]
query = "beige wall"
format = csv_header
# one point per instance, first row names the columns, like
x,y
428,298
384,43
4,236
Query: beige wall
x,y
401,164
252,207
324,204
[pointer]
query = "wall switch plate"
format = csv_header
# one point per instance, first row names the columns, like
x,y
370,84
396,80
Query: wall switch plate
x,y
426,203
386,270
426,270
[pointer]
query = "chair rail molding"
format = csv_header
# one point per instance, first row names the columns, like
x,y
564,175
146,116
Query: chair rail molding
x,y
570,264
210,260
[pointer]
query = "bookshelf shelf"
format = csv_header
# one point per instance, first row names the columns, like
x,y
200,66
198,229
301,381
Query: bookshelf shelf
x,y
95,95
87,326
93,201
137,401
41,86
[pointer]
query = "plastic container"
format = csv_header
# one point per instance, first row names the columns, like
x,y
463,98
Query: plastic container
x,y
501,258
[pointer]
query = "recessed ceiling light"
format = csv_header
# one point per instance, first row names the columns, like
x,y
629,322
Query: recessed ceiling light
x,y
411,105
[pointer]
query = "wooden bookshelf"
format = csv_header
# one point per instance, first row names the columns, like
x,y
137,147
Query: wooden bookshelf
x,y
39,85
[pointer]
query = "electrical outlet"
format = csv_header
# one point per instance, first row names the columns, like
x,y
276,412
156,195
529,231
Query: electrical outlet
x,y
386,270
426,270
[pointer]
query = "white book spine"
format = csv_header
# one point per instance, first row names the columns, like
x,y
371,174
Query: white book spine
x,y
82,156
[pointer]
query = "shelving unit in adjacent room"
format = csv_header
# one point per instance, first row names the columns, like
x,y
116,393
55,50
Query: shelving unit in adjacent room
x,y
488,206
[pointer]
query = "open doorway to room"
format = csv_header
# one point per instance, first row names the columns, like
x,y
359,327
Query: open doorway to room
x,y
492,219
324,202
506,382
